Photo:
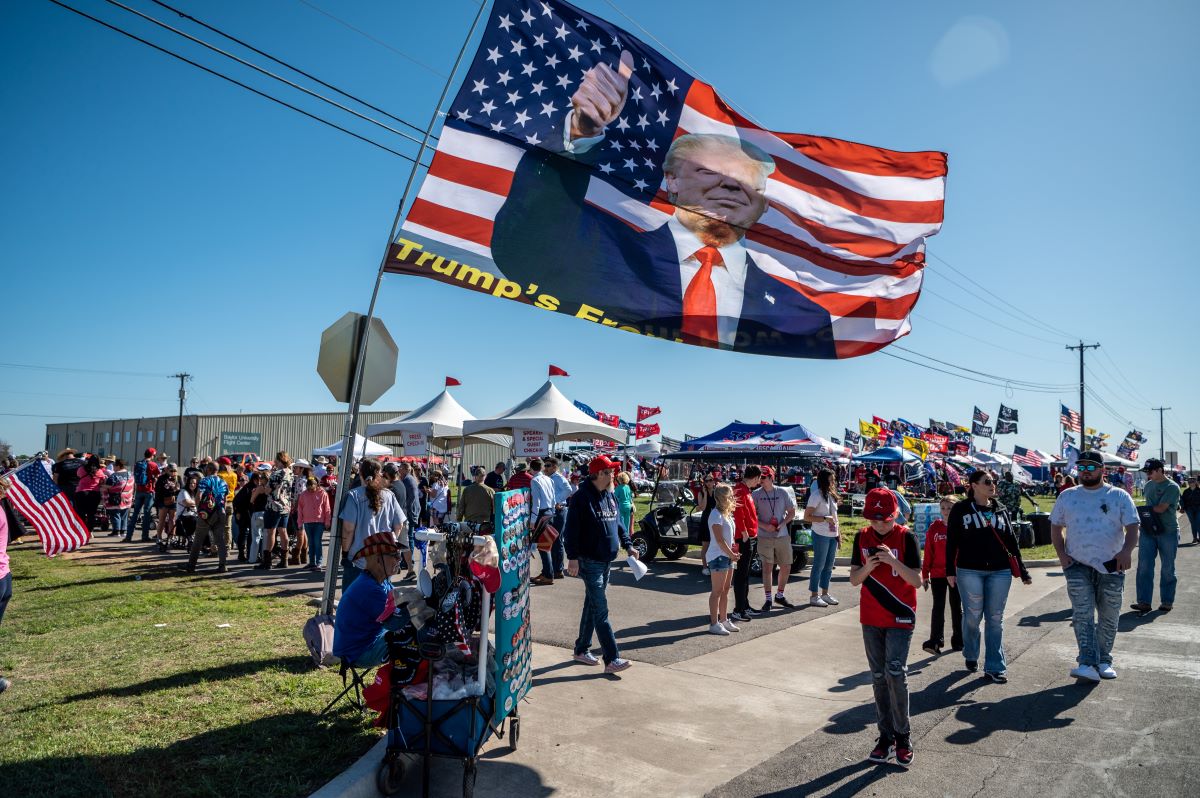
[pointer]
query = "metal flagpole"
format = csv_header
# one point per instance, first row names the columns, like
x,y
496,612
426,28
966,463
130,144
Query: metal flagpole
x,y
335,540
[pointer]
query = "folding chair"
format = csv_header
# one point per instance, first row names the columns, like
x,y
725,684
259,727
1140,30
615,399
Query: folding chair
x,y
356,684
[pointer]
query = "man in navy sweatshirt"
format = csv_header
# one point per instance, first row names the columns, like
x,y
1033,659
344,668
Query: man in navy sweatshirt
x,y
594,535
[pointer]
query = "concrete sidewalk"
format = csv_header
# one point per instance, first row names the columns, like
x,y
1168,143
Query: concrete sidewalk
x,y
684,728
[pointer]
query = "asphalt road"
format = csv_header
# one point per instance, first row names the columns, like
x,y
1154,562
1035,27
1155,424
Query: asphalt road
x,y
1042,734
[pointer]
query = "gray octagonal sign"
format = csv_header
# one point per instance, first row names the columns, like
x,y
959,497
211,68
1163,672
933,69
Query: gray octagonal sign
x,y
339,347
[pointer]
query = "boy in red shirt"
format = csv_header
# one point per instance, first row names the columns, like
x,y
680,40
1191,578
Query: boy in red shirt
x,y
885,560
745,522
933,571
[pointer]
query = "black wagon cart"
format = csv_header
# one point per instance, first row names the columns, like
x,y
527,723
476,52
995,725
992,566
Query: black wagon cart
x,y
449,689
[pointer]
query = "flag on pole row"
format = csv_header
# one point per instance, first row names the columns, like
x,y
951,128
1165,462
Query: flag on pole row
x,y
1069,418
1007,414
646,430
1006,427
644,412
569,174
555,371
1025,457
451,382
980,416
36,496
917,446
981,430
869,430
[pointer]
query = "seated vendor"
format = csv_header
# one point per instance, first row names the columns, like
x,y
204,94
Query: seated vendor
x,y
358,635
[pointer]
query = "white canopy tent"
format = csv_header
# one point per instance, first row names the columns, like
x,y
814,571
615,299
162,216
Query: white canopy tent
x,y
549,412
1113,460
362,448
440,420
798,440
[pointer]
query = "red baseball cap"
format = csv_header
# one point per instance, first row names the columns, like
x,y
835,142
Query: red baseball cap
x,y
601,463
224,461
151,452
768,472
880,505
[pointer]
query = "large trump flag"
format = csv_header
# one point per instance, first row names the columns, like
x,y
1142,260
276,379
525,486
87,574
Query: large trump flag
x,y
581,172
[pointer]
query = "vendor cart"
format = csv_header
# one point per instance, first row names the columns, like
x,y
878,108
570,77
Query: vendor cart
x,y
457,724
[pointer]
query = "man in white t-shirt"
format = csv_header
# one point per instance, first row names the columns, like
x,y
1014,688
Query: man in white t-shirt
x,y
776,508
1101,524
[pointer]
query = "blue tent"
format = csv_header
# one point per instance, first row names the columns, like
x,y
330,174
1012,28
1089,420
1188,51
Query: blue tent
x,y
738,431
887,454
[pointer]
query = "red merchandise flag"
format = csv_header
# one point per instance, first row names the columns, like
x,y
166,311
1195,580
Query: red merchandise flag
x,y
646,430
35,495
451,382
646,412
555,371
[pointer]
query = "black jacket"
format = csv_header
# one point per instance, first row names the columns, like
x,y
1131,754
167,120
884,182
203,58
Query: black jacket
x,y
971,542
594,530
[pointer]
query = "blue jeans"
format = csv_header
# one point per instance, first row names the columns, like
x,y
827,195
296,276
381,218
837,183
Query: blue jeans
x,y
5,592
887,657
984,594
1193,516
350,572
1096,604
118,519
824,553
142,503
315,530
595,610
552,561
1157,546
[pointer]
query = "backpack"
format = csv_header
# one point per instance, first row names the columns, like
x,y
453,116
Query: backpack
x,y
141,473
207,506
318,636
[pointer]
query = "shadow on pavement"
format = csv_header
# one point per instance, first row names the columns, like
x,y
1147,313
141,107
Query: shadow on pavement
x,y
868,774
1031,712
945,692
1057,616
1132,620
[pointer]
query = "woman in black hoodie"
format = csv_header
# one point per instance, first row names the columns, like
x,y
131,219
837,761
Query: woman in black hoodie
x,y
981,554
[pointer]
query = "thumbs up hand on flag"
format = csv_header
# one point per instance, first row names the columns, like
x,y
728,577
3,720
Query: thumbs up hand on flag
x,y
600,97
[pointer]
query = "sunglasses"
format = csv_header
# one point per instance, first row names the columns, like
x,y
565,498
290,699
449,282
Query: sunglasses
x,y
1089,467
987,482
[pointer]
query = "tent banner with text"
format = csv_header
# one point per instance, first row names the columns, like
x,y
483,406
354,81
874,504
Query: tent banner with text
x,y
575,174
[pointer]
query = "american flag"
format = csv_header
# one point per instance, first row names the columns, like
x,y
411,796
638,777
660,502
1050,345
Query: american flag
x,y
845,225
1069,419
980,416
1025,457
34,493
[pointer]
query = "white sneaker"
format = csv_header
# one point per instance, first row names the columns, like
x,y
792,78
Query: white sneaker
x,y
586,658
1106,671
817,601
1085,672
830,600
718,629
731,627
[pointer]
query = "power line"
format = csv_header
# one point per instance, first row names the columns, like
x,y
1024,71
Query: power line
x,y
234,81
1026,383
283,63
263,71
1133,391
90,395
380,42
964,376
64,369
984,341
992,296
988,320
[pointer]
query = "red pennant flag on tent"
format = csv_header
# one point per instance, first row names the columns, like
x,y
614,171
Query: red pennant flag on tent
x,y
451,382
646,412
646,430
555,371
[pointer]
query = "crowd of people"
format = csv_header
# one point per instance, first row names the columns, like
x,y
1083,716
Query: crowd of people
x,y
581,519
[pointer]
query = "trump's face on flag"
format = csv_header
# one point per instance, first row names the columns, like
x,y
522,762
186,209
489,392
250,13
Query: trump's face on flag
x,y
718,185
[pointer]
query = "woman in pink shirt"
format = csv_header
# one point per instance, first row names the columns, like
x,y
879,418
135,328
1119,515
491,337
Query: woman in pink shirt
x,y
313,516
90,489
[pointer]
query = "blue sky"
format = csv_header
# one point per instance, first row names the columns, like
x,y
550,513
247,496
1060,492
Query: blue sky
x,y
157,219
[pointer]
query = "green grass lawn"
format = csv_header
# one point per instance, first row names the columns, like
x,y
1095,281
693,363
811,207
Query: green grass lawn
x,y
851,524
104,702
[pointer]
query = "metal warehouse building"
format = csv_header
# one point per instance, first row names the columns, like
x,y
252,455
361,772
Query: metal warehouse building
x,y
264,434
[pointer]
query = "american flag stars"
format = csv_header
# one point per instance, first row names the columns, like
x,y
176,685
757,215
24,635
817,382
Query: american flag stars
x,y
534,57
